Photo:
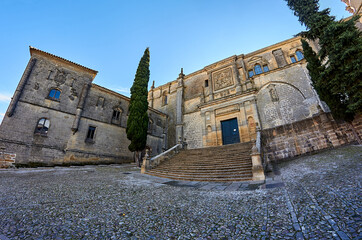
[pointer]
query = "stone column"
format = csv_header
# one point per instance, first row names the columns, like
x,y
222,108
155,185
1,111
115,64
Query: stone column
x,y
80,106
179,107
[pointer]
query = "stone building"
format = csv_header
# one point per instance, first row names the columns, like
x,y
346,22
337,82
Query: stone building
x,y
58,116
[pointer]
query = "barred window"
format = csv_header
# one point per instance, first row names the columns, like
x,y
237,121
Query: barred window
x,y
42,127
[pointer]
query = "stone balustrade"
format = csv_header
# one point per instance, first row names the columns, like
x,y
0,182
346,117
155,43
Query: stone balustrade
x,y
149,163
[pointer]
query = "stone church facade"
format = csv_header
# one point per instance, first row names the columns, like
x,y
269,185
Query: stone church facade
x,y
268,90
58,116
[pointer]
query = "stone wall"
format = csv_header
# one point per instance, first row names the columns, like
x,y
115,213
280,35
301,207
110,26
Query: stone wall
x,y
193,130
307,136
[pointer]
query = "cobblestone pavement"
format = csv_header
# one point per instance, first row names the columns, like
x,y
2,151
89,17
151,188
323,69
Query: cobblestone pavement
x,y
313,197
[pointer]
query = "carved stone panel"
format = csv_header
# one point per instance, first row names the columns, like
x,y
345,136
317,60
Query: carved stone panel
x,y
222,79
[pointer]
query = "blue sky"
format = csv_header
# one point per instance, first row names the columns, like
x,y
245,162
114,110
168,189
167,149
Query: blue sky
x,y
110,36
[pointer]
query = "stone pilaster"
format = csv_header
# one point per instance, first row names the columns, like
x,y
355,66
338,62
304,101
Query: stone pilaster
x,y
236,76
211,88
80,106
151,94
254,106
179,108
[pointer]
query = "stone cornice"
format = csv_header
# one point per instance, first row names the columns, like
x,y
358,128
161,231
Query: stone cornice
x,y
34,50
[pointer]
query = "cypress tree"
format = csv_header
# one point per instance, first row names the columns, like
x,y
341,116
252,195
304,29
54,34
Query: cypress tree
x,y
338,79
137,123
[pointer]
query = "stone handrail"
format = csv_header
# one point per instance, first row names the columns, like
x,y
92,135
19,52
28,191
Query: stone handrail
x,y
149,163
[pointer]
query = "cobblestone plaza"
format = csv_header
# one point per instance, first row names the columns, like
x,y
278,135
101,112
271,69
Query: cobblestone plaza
x,y
312,197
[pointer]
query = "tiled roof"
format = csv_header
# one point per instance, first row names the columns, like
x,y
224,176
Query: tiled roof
x,y
33,49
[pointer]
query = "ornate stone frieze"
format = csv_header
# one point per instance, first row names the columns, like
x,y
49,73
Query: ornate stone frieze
x,y
222,79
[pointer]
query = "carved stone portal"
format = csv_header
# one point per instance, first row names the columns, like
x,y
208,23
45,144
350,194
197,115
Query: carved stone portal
x,y
223,79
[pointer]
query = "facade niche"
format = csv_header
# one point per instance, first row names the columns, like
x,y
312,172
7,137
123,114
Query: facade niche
x,y
164,98
279,57
100,102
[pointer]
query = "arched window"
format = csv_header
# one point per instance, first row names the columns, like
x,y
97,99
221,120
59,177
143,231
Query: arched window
x,y
292,58
300,55
164,98
257,69
265,68
54,94
43,126
251,73
116,114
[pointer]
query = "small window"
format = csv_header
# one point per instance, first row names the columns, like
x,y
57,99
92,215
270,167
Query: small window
x,y
42,127
164,99
116,115
300,55
251,73
54,94
206,83
90,134
257,69
265,68
292,58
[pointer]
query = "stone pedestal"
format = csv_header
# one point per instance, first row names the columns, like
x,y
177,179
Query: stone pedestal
x,y
258,171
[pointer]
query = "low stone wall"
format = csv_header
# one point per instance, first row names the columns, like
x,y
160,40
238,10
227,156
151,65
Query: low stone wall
x,y
7,159
307,136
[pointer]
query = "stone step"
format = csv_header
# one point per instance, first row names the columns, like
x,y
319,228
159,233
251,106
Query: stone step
x,y
198,166
209,179
215,164
203,172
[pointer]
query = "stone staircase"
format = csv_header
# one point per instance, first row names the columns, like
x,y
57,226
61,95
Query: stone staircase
x,y
214,164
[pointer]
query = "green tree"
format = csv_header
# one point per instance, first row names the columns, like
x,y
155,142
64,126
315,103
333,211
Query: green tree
x,y
137,123
336,70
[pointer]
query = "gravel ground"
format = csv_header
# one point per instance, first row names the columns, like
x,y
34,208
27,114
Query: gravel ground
x,y
313,197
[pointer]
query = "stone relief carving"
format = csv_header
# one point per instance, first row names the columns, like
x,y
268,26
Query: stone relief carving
x,y
273,93
60,77
222,79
